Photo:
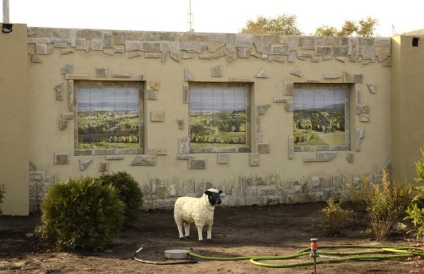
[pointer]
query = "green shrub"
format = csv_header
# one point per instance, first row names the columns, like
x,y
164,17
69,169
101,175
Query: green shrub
x,y
335,217
415,211
386,205
129,193
2,192
81,214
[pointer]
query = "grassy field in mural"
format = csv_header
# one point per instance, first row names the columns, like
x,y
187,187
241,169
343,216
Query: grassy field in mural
x,y
107,129
324,126
223,128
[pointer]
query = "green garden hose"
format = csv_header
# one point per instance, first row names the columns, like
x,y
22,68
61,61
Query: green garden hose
x,y
379,253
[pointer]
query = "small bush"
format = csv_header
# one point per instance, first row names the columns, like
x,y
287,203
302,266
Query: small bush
x,y
81,215
415,211
2,192
336,217
129,193
386,206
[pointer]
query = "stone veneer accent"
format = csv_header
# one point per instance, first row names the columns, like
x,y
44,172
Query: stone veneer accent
x,y
208,46
178,47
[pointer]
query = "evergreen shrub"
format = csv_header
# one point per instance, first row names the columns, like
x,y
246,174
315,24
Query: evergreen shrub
x,y
81,214
129,193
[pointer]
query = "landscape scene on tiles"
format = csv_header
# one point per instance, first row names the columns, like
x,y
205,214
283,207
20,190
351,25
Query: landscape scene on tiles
x,y
108,118
218,116
319,117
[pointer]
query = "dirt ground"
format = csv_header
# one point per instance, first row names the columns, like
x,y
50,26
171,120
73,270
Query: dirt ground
x,y
238,231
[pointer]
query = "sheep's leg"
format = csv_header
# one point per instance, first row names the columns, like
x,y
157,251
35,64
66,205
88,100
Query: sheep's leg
x,y
199,232
209,232
180,230
187,229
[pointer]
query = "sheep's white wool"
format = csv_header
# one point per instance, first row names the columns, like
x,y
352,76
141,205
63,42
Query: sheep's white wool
x,y
194,210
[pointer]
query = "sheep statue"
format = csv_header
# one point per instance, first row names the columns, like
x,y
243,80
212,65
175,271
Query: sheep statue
x,y
198,211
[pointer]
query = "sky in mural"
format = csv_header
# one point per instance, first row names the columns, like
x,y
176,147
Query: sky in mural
x,y
221,16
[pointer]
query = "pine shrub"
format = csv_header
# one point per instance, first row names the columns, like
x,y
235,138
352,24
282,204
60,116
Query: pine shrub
x,y
81,214
129,193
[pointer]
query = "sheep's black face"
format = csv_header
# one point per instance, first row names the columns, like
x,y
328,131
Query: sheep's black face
x,y
214,197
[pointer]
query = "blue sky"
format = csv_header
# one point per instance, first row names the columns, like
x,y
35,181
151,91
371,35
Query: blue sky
x,y
211,16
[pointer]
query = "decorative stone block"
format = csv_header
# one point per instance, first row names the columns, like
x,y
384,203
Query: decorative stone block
x,y
61,158
134,54
263,148
84,163
222,158
364,117
186,95
372,88
96,44
296,72
289,106
206,56
185,157
288,88
145,160
63,124
121,75
67,69
194,163
66,51
71,95
35,59
216,71
291,147
262,109
180,122
357,78
114,157
67,116
254,159
231,58
347,77
239,79
104,166
262,74
332,76
350,157
42,49
152,88
60,90
157,116
219,54
362,109
183,146
360,133
158,151
153,55
188,76
77,76
280,100
101,72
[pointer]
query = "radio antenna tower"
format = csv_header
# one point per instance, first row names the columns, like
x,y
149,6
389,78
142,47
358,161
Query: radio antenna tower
x,y
190,18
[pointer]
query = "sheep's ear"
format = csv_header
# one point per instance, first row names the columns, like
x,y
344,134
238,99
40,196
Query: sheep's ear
x,y
207,192
220,191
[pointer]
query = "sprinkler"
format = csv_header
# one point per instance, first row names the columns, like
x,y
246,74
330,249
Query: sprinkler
x,y
314,249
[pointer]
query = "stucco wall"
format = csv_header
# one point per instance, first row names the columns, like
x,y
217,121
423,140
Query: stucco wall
x,y
407,100
14,114
166,63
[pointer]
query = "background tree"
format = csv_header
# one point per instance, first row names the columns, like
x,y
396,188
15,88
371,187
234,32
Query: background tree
x,y
283,24
363,28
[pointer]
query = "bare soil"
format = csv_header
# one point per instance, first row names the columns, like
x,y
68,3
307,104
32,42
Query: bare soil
x,y
238,231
